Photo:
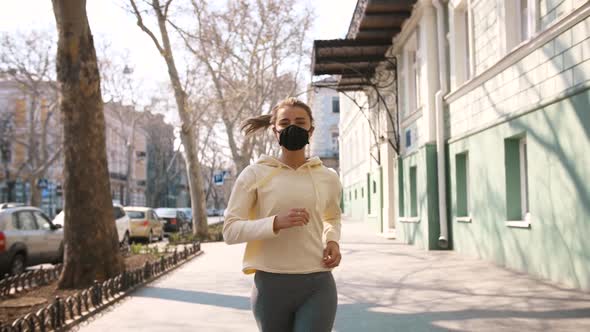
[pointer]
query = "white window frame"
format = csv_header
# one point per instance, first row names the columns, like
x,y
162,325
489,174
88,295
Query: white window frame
x,y
335,143
461,39
513,16
524,183
467,184
413,73
525,221
332,100
401,88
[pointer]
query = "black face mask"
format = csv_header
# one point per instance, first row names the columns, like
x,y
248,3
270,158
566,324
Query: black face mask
x,y
294,138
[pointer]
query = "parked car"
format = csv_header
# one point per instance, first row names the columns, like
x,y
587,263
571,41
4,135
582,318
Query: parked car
x,y
188,212
144,224
175,221
28,237
8,205
121,221
215,212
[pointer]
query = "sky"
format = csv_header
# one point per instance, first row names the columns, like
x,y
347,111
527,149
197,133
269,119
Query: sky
x,y
108,20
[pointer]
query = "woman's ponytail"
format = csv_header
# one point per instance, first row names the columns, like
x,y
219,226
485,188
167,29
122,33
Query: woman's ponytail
x,y
257,123
254,124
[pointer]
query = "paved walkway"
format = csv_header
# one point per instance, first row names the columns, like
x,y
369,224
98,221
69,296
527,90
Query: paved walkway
x,y
383,286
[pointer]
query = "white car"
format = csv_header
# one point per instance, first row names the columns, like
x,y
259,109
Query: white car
x,y
121,221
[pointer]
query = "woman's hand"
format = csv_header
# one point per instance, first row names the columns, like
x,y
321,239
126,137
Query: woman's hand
x,y
291,218
332,255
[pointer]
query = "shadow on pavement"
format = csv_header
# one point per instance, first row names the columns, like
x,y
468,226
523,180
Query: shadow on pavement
x,y
195,297
356,317
365,317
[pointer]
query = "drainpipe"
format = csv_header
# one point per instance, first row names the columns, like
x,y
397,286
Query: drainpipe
x,y
440,125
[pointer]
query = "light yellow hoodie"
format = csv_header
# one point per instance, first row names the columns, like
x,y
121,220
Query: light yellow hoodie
x,y
270,187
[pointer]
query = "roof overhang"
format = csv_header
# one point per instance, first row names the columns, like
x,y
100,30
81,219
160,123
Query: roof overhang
x,y
370,35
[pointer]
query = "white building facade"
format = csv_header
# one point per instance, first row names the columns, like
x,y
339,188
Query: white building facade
x,y
325,104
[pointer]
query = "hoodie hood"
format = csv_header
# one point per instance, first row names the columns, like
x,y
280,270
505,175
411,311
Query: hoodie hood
x,y
274,162
311,163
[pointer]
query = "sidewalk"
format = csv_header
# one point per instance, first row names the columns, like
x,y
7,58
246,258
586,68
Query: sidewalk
x,y
382,285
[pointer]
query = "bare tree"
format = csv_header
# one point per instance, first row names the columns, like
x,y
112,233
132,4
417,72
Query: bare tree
x,y
91,242
189,130
28,61
252,52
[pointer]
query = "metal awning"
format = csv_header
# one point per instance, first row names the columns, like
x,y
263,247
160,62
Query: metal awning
x,y
370,35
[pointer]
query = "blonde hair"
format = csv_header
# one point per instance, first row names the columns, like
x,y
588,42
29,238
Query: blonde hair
x,y
257,123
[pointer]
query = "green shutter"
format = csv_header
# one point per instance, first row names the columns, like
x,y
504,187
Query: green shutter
x,y
512,168
461,189
413,192
400,185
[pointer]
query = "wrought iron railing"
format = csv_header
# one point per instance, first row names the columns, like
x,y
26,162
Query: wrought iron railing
x,y
65,312
11,285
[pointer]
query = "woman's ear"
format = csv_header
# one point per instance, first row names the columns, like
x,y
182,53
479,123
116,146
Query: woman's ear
x,y
311,130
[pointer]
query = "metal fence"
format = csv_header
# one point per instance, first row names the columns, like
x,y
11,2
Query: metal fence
x,y
64,312
28,280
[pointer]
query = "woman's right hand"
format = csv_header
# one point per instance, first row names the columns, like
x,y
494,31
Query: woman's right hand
x,y
291,218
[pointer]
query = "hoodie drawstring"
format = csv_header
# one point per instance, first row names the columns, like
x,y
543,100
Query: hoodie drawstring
x,y
265,179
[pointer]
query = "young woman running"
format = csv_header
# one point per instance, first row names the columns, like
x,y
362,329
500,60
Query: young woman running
x,y
287,209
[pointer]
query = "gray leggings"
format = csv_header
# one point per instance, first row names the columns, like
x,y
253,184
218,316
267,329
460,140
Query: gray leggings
x,y
294,302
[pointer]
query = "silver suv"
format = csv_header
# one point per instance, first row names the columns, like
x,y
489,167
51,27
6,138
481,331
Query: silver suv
x,y
27,238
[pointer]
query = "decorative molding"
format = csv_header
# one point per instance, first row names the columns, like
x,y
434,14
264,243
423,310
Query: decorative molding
x,y
356,19
526,223
463,219
521,52
518,224
409,220
523,111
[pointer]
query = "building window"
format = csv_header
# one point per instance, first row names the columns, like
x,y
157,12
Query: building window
x,y
412,76
516,167
461,41
462,187
374,187
355,196
335,105
362,192
369,193
400,187
335,145
415,62
521,21
401,88
413,192
408,138
524,19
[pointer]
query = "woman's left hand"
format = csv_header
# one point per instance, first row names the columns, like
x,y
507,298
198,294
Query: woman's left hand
x,y
332,255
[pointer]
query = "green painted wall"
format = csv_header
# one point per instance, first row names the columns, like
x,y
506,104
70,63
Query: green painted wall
x,y
557,245
412,233
354,205
374,182
425,233
367,200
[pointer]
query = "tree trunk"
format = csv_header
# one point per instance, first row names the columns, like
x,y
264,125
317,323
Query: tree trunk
x,y
188,136
129,175
91,243
35,192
